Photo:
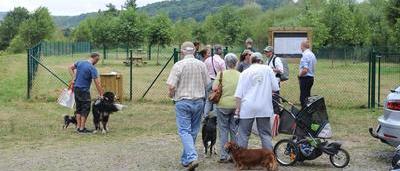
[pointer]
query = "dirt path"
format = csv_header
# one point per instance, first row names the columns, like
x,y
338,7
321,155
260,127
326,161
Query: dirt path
x,y
149,153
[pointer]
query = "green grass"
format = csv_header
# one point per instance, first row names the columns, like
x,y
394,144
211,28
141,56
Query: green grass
x,y
31,130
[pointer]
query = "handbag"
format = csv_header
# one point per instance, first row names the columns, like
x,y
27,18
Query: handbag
x,y
215,96
67,97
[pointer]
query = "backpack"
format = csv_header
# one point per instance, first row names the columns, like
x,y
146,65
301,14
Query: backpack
x,y
285,75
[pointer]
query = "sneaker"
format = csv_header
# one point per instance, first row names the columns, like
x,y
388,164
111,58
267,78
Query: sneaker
x,y
192,166
84,130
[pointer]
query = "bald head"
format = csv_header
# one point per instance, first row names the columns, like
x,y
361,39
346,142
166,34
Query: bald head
x,y
305,45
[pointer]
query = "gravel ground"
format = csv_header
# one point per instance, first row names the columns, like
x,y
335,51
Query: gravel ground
x,y
150,153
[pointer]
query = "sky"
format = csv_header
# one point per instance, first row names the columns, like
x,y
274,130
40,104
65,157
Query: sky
x,y
67,7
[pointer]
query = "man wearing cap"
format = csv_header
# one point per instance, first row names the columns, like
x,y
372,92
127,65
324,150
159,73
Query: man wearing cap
x,y
306,73
186,85
254,101
276,64
83,72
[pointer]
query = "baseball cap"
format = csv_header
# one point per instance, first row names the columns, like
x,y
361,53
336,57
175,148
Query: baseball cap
x,y
268,49
187,46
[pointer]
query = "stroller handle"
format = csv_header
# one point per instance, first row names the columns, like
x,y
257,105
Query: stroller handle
x,y
283,99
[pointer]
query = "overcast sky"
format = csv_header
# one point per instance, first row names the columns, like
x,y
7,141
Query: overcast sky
x,y
67,7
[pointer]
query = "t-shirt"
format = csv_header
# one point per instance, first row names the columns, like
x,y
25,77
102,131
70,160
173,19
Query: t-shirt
x,y
230,79
255,88
278,65
242,66
85,73
308,61
214,65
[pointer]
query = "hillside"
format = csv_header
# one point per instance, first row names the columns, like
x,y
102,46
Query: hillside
x,y
70,21
2,15
198,10
176,9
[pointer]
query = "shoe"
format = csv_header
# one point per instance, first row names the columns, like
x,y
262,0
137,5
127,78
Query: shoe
x,y
224,161
192,166
84,130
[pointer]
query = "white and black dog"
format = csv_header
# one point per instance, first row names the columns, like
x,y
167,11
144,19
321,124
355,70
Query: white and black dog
x,y
101,109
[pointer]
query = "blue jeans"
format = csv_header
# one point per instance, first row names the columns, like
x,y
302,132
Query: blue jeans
x,y
227,129
188,117
208,106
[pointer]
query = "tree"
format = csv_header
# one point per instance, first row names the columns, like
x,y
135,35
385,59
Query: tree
x,y
229,25
10,25
182,30
130,4
338,18
160,32
131,27
111,10
393,11
84,31
104,31
38,27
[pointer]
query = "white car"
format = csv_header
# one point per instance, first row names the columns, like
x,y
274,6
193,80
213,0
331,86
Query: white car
x,y
388,130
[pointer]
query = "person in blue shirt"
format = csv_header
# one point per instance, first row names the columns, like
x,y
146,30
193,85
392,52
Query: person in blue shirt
x,y
83,72
307,72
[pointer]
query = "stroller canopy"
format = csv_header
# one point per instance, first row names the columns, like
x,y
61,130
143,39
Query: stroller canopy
x,y
314,118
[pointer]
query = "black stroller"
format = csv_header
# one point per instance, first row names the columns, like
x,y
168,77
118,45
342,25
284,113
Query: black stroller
x,y
310,129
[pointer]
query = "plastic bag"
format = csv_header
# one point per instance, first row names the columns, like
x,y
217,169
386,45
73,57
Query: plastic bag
x,y
67,98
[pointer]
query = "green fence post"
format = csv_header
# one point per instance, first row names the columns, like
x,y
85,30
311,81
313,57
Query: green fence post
x,y
176,55
149,52
369,77
373,80
225,51
29,82
379,79
130,75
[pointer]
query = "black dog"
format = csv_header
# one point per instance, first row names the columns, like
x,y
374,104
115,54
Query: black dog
x,y
101,109
209,133
68,120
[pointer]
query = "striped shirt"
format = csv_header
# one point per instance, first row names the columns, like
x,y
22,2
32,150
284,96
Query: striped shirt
x,y
189,77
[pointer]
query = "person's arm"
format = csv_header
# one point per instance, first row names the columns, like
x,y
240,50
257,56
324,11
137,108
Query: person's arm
x,y
278,66
100,89
216,82
71,70
171,91
172,81
304,65
274,82
238,103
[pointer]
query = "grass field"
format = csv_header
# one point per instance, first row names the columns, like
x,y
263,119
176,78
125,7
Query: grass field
x,y
143,136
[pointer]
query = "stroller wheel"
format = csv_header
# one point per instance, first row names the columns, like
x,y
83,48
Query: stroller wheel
x,y
286,152
341,159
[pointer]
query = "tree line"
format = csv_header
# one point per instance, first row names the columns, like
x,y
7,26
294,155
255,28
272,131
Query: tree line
x,y
335,23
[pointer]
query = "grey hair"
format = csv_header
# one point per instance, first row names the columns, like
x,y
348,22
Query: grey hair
x,y
256,57
231,60
187,52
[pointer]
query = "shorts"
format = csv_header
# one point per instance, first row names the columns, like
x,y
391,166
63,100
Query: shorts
x,y
82,102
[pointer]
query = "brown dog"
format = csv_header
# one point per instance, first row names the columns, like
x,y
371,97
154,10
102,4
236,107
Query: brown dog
x,y
246,158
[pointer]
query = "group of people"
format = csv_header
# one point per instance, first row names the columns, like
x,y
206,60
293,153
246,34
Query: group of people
x,y
248,84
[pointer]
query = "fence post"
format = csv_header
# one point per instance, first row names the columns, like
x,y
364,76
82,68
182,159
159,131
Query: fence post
x,y
149,52
369,78
29,83
225,51
176,55
379,79
130,74
373,80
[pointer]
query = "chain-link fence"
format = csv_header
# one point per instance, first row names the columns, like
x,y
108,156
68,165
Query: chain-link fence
x,y
47,81
343,74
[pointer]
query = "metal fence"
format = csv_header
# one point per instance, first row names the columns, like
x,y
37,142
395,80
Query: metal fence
x,y
343,74
48,74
